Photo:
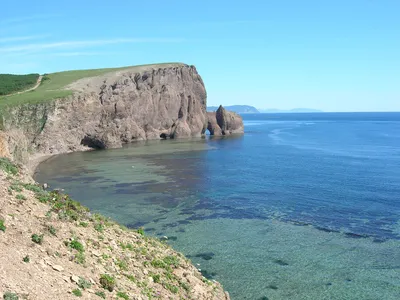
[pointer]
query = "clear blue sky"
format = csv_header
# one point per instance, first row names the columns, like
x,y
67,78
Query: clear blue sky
x,y
330,55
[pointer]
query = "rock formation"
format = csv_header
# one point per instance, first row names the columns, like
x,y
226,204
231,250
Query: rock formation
x,y
110,110
223,122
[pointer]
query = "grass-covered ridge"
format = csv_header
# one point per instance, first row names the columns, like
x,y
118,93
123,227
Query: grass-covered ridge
x,y
53,85
10,83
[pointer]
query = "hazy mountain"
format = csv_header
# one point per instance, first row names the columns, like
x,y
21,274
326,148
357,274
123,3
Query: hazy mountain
x,y
294,110
240,109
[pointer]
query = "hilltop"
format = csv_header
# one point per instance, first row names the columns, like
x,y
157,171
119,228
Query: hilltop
x,y
56,85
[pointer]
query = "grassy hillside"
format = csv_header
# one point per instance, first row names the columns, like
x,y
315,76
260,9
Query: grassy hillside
x,y
53,84
15,83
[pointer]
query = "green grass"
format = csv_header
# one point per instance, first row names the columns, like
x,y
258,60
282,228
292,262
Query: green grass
x,y
53,86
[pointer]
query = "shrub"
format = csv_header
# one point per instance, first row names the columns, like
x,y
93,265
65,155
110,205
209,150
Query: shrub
x,y
171,260
10,296
122,295
174,289
140,231
32,187
156,277
80,258
75,244
16,187
84,284
2,226
122,264
101,294
7,166
107,282
20,197
77,292
99,227
26,259
38,239
52,230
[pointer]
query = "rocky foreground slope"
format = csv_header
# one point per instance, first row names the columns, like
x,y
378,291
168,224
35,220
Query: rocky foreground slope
x,y
53,248
106,111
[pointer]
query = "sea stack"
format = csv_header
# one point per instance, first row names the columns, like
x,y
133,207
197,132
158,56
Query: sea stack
x,y
223,122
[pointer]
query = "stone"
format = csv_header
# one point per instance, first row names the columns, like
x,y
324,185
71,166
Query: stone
x,y
58,268
75,278
96,253
223,122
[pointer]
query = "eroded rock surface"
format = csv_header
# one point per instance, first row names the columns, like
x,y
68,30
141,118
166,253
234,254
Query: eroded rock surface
x,y
110,110
223,122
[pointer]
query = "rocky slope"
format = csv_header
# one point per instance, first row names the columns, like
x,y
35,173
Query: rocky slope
x,y
53,248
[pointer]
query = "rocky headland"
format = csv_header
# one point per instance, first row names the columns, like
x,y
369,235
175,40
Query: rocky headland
x,y
107,111
53,248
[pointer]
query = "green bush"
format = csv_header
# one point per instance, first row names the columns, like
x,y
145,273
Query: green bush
x,y
7,166
38,239
2,226
15,83
84,284
75,244
77,292
20,197
26,259
122,295
101,294
107,282
10,296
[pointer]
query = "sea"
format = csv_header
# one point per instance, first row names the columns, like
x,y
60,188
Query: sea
x,y
302,206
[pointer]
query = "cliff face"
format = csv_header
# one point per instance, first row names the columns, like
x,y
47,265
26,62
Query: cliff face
x,y
110,110
223,122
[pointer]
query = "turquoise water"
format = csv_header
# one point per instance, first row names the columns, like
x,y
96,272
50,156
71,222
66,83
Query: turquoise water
x,y
303,206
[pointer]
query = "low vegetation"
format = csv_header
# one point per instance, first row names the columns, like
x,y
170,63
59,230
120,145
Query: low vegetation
x,y
7,166
16,83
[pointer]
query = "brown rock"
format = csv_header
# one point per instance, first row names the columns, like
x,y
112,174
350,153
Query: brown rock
x,y
223,122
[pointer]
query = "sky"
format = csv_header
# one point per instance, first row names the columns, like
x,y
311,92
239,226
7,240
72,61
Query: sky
x,y
328,55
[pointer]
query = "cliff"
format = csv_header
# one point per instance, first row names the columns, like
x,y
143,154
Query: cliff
x,y
109,110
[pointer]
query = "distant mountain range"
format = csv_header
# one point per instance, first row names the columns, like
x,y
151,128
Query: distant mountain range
x,y
247,109
294,110
240,109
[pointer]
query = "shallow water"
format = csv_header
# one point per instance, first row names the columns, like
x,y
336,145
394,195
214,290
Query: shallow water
x,y
303,206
